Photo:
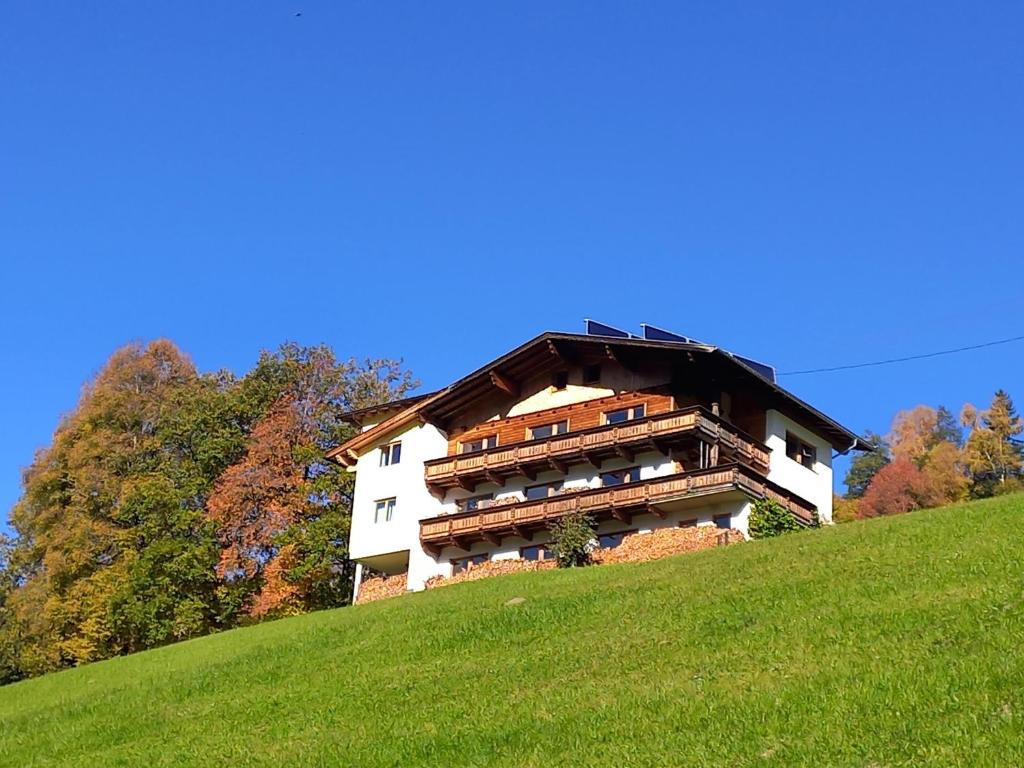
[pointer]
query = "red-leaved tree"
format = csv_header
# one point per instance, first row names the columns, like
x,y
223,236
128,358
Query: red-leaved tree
x,y
898,487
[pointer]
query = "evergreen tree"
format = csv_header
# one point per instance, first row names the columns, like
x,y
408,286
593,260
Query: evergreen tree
x,y
865,466
993,450
947,428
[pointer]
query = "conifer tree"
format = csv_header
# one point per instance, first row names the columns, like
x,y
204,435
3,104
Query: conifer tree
x,y
864,466
993,449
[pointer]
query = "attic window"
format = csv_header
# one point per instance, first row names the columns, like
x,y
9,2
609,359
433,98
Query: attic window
x,y
560,380
478,444
624,414
592,374
801,452
547,430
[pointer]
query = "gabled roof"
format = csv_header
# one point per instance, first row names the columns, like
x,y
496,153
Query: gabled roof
x,y
549,349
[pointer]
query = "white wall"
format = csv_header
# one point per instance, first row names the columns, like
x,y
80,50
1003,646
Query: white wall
x,y
614,379
815,484
404,482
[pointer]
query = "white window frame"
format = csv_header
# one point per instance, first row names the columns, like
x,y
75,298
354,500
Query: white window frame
x,y
556,429
387,506
631,414
387,454
487,442
801,444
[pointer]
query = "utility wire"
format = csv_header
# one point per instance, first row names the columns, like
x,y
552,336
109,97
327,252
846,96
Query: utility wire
x,y
892,360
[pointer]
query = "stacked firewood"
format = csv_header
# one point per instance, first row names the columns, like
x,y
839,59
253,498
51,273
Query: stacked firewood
x,y
379,587
664,542
635,548
490,568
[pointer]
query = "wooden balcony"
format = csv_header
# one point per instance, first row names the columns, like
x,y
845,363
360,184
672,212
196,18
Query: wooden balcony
x,y
662,432
656,496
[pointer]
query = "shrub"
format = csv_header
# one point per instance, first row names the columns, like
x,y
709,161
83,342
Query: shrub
x,y
572,538
769,518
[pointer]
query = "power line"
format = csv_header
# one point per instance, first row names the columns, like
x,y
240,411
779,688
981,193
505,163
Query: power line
x,y
892,360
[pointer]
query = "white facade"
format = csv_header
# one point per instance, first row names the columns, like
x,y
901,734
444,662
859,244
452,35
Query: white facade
x,y
383,544
813,484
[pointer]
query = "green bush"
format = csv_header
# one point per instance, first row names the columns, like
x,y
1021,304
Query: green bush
x,y
769,518
573,539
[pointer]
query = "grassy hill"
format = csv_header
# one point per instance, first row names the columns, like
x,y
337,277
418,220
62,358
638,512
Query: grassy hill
x,y
886,643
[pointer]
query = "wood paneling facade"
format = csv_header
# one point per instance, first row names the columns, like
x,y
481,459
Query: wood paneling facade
x,y
585,415
693,437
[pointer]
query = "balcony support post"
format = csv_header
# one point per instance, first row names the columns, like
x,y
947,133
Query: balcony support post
x,y
622,516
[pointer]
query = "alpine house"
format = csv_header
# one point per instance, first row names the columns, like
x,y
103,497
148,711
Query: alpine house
x,y
639,432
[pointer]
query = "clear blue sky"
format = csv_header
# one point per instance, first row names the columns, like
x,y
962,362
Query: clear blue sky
x,y
804,184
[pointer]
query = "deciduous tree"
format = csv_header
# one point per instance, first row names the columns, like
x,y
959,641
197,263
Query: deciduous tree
x,y
283,511
899,487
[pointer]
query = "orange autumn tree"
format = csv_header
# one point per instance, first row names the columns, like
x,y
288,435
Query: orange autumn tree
x,y
283,511
930,439
256,501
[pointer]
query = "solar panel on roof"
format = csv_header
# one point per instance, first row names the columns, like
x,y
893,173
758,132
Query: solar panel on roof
x,y
595,328
659,334
765,370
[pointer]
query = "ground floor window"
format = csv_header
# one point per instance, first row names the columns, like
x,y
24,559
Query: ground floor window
x,y
612,540
465,563
537,552
723,521
691,523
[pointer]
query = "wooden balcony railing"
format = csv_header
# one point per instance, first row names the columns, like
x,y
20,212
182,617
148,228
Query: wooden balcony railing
x,y
522,518
658,432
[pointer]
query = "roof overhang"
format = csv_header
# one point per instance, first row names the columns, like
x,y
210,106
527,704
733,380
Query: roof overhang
x,y
551,349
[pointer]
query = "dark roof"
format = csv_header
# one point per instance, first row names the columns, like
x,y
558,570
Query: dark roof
x,y
536,355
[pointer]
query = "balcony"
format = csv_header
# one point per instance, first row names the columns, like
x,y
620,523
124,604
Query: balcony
x,y
662,432
657,496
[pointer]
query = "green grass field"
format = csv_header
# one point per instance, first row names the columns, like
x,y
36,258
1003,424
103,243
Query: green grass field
x,y
893,642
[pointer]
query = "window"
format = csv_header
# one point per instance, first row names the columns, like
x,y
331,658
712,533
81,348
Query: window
x,y
620,476
384,510
592,374
479,444
465,563
548,430
535,492
390,454
691,523
624,414
474,503
537,552
612,540
800,452
560,380
723,521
